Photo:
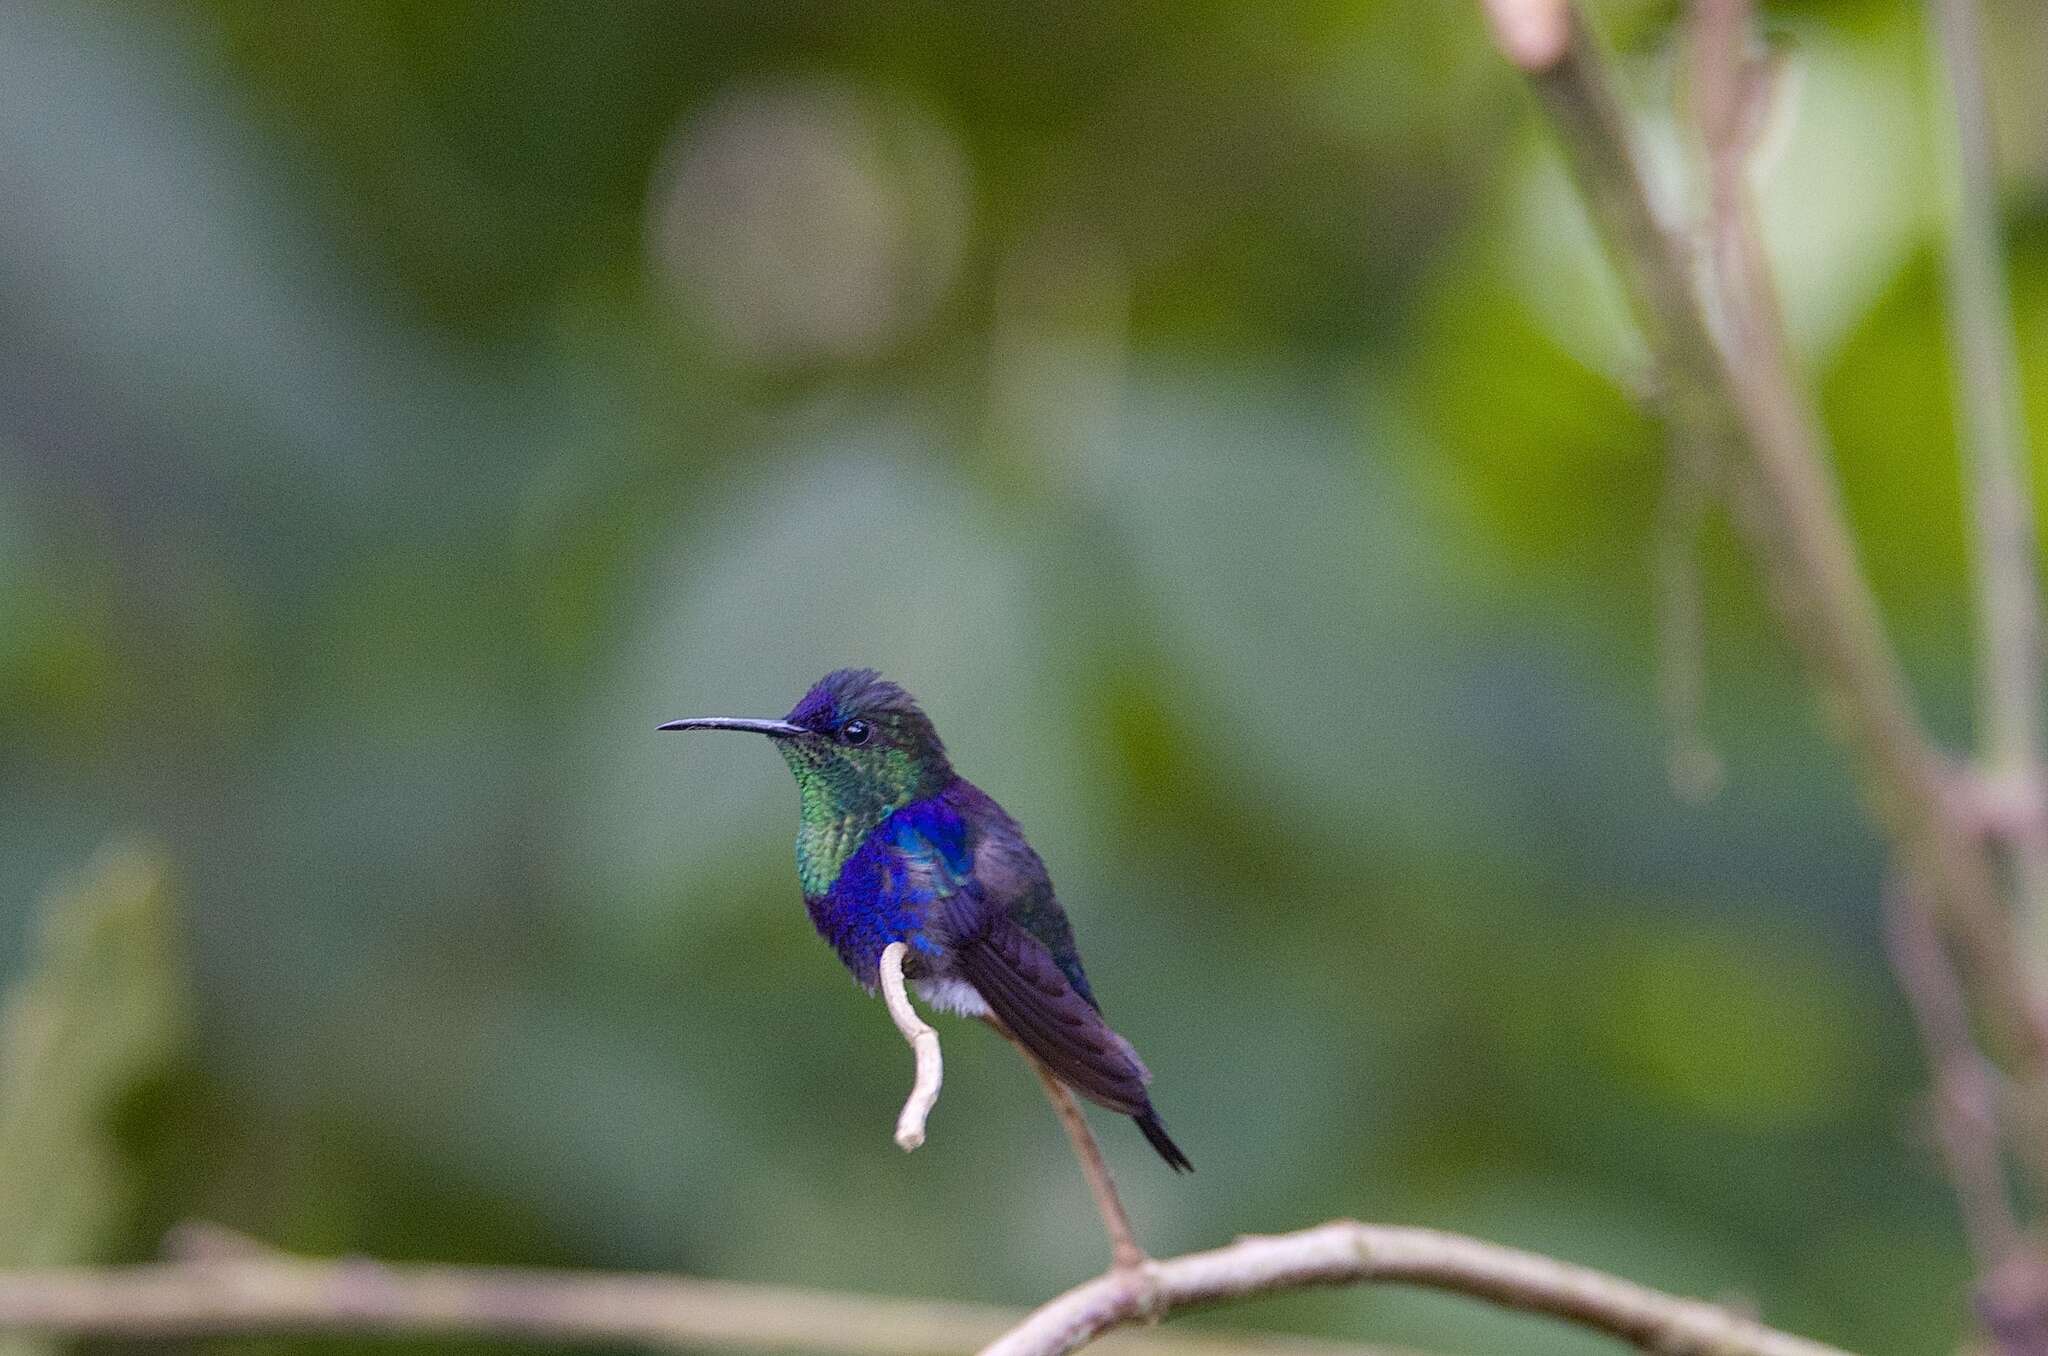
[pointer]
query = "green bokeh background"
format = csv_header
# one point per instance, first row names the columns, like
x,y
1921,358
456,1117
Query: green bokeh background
x,y
1215,413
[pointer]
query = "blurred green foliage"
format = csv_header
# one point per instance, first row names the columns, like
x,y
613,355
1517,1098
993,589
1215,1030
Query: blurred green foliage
x,y
1215,413
91,1032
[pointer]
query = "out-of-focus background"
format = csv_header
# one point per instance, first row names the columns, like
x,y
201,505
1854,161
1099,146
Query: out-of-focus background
x,y
1215,413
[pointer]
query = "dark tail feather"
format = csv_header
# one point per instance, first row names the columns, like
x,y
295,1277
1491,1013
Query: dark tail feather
x,y
1156,1136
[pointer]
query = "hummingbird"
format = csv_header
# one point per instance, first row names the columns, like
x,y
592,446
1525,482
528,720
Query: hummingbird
x,y
893,845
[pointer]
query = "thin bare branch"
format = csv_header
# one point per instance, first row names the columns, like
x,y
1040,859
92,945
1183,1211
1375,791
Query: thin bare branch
x,y
2012,1301
1124,1250
1691,763
2012,1285
238,1287
1731,87
924,1044
1993,434
1346,1252
1733,84
1965,1087
1749,406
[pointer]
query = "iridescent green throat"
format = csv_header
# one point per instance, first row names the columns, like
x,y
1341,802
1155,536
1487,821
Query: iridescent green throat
x,y
843,801
826,838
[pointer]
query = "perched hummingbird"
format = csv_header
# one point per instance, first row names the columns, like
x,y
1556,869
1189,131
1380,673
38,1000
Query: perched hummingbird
x,y
895,846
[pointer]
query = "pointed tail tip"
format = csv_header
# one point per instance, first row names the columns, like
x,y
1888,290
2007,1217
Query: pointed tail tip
x,y
1155,1135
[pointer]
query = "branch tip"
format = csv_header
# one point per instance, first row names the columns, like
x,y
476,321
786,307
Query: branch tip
x,y
1531,33
924,1045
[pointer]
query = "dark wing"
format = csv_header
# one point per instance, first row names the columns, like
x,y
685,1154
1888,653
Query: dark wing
x,y
1009,877
1027,990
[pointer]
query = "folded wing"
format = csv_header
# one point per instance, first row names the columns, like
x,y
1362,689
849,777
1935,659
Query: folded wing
x,y
1026,989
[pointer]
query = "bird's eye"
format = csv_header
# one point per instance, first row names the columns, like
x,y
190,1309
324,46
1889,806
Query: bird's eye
x,y
855,731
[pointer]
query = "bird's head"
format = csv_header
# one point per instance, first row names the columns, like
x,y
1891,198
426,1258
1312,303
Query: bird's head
x,y
857,743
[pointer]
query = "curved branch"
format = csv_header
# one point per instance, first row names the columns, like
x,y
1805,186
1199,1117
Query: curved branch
x,y
227,1285
924,1044
232,1286
1345,1252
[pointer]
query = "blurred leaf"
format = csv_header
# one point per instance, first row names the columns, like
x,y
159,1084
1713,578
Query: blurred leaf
x,y
1728,1025
1887,401
1559,468
1304,549
101,1011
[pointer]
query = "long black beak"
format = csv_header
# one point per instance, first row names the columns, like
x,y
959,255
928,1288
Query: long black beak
x,y
780,729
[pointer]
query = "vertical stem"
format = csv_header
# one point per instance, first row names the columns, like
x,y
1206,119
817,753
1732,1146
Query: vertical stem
x,y
1728,378
1691,764
1965,1088
1992,432
1124,1251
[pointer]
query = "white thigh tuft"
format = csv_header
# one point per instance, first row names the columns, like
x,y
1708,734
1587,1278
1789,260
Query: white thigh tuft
x,y
952,995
